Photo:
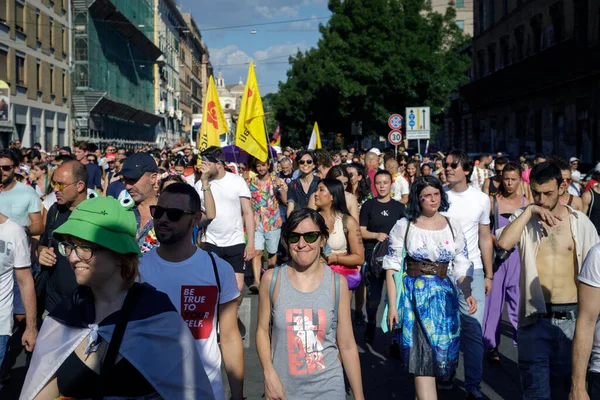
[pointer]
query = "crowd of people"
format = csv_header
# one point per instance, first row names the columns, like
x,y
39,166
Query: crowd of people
x,y
122,270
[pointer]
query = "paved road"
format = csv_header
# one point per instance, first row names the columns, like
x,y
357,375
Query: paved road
x,y
383,377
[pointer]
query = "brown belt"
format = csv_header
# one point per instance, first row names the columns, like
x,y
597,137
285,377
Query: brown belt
x,y
417,268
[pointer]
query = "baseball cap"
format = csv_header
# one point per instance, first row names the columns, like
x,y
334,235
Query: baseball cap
x,y
597,169
573,159
104,221
110,157
375,150
137,165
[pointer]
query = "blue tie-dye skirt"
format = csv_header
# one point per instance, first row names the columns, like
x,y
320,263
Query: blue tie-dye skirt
x,y
430,327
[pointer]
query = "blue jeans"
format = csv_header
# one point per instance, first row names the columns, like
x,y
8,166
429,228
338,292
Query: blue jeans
x,y
545,350
471,334
3,346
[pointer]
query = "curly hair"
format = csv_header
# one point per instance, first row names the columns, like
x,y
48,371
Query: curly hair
x,y
364,185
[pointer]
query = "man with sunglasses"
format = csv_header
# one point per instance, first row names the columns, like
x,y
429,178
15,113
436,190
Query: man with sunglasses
x,y
567,198
202,286
139,175
471,208
18,201
491,186
69,184
225,234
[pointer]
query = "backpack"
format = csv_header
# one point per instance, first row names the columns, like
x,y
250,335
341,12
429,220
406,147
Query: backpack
x,y
375,268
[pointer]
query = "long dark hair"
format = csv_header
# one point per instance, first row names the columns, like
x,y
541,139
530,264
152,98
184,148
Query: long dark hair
x,y
417,172
413,209
336,189
364,185
300,215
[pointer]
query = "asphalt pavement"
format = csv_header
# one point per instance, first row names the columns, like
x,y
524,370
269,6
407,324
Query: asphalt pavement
x,y
383,377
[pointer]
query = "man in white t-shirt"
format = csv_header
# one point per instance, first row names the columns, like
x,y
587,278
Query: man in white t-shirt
x,y
576,177
586,342
471,208
225,234
15,258
204,293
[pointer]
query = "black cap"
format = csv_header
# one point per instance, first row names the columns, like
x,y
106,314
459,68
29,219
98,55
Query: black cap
x,y
137,165
67,148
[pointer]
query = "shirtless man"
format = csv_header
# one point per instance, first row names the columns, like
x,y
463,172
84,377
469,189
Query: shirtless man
x,y
553,242
567,199
491,186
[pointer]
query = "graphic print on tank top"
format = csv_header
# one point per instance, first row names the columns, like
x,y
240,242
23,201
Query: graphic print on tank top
x,y
305,334
198,309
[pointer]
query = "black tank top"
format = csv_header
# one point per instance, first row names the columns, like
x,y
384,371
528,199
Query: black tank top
x,y
77,380
594,211
493,189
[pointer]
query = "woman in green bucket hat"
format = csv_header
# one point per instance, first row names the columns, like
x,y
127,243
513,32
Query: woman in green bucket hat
x,y
114,337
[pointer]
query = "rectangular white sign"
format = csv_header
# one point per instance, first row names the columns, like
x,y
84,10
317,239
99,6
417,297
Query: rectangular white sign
x,y
417,123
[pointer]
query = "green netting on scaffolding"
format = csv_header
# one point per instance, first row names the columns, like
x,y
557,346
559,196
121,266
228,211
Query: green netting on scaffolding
x,y
116,66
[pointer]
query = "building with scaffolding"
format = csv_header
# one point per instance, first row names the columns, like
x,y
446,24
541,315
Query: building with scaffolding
x,y
113,72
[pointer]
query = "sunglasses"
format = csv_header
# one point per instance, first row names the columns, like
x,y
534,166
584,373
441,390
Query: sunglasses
x,y
85,253
403,164
210,159
453,165
60,186
568,180
302,162
309,237
173,214
7,168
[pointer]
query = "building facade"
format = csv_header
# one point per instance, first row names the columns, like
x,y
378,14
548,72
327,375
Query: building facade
x,y
113,96
464,12
534,80
34,63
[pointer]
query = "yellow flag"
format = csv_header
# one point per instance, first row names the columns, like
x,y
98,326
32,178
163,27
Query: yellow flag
x,y
213,120
315,139
250,132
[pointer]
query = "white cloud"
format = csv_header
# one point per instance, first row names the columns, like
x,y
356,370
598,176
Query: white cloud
x,y
277,12
228,55
280,51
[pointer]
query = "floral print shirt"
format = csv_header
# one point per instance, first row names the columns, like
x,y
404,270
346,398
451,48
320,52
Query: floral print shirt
x,y
265,203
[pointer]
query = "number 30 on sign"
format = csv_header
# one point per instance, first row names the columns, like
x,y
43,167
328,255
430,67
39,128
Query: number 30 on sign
x,y
395,137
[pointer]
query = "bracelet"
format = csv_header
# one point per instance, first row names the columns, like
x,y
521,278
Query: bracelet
x,y
491,279
206,189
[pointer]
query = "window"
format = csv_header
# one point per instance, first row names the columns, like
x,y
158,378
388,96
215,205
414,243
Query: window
x,y
581,21
3,65
52,79
536,32
38,23
65,45
492,12
481,72
503,52
558,24
65,83
461,25
460,3
39,75
492,57
519,42
504,8
20,64
3,10
481,16
19,18
51,32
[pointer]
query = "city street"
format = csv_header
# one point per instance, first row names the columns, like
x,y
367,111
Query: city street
x,y
382,376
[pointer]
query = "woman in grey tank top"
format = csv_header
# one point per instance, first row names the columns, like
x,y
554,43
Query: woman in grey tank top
x,y
304,323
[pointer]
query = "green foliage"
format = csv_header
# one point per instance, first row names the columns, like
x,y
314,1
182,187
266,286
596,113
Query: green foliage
x,y
375,57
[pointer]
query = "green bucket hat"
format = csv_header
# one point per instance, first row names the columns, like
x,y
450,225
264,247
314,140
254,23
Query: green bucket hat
x,y
104,221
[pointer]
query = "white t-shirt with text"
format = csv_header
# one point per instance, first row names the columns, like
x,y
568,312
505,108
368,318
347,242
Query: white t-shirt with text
x,y
14,253
192,287
227,229
590,275
471,208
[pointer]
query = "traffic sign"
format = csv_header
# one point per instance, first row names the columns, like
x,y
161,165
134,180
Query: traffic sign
x,y
395,121
395,137
418,126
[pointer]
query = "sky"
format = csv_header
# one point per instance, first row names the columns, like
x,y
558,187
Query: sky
x,y
232,47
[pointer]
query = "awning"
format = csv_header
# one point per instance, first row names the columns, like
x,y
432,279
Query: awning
x,y
6,127
106,106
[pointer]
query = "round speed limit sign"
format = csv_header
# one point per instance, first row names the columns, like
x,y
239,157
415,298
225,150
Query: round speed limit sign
x,y
395,137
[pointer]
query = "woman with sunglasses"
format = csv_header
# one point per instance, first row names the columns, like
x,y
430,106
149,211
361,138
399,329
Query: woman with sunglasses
x,y
97,339
345,251
426,261
402,163
304,326
413,171
301,188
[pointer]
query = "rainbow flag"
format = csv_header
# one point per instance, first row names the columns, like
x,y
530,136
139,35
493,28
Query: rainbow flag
x,y
276,141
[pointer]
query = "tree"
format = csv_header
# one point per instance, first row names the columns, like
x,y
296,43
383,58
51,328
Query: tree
x,y
375,57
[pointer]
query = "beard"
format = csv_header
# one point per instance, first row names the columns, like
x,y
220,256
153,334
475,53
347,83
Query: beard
x,y
8,180
166,235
